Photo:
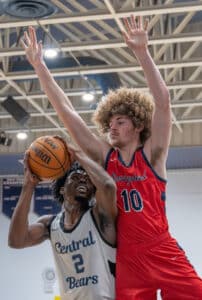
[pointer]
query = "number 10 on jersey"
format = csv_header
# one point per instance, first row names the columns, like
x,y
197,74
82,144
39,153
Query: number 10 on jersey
x,y
132,200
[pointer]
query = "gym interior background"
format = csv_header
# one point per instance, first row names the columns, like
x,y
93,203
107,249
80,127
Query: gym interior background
x,y
91,59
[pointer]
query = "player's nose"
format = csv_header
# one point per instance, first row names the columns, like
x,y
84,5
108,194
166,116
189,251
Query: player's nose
x,y
113,127
82,179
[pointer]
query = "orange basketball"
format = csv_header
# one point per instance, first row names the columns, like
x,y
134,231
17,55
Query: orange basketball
x,y
49,157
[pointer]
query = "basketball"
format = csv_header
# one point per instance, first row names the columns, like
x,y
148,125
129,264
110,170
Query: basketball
x,y
49,157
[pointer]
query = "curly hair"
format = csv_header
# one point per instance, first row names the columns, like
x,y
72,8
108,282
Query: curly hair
x,y
138,106
60,182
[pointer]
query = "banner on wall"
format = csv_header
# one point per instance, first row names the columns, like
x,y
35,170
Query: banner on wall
x,y
11,189
43,198
44,203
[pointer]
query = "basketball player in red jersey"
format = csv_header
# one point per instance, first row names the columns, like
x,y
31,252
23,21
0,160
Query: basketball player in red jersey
x,y
139,131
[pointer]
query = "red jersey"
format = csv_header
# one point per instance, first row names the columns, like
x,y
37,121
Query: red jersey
x,y
140,199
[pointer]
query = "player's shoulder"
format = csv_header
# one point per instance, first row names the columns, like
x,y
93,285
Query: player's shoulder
x,y
46,219
104,148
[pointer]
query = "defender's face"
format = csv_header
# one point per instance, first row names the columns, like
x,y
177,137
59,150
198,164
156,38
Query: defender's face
x,y
121,130
78,184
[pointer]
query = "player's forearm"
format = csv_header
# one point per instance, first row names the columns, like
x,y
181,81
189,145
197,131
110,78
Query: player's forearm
x,y
19,222
96,172
105,187
75,125
53,91
154,79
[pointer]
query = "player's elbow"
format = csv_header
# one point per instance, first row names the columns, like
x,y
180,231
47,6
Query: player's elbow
x,y
166,100
15,243
163,101
109,186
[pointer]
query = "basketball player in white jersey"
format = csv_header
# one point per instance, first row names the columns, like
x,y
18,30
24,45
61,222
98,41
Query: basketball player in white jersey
x,y
82,237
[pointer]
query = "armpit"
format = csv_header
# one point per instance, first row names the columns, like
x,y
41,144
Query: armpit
x,y
104,222
156,155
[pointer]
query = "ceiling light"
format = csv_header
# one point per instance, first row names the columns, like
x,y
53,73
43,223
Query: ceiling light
x,y
21,135
50,53
88,97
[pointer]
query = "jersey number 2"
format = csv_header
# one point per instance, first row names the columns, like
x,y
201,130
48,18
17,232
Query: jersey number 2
x,y
78,263
132,197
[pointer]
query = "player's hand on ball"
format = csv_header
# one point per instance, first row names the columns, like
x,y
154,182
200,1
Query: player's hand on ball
x,y
72,151
75,152
29,177
60,138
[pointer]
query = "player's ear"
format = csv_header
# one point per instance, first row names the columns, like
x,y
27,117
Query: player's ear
x,y
140,128
62,191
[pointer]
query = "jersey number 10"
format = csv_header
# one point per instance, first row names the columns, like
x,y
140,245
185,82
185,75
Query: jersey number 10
x,y
132,200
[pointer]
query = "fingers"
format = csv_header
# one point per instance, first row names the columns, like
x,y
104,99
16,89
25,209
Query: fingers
x,y
146,24
25,161
72,153
135,23
72,150
127,25
32,34
125,36
40,48
24,46
63,141
140,22
26,157
35,178
30,39
31,176
59,138
27,39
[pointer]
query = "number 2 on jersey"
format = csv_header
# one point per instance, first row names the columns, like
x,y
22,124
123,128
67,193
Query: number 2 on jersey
x,y
78,263
132,199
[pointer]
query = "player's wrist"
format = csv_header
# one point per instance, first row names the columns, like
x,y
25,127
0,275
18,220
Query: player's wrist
x,y
39,65
141,51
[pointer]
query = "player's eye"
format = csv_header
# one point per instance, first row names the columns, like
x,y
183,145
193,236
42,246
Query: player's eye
x,y
87,178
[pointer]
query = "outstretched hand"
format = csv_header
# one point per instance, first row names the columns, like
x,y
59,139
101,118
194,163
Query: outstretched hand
x,y
32,48
136,36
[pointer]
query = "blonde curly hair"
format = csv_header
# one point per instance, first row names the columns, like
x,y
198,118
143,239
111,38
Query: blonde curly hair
x,y
138,106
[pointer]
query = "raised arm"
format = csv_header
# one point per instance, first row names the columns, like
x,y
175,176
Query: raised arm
x,y
21,234
136,38
74,124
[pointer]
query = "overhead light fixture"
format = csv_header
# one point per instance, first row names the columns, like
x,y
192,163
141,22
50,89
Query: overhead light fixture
x,y
103,98
50,53
88,96
21,135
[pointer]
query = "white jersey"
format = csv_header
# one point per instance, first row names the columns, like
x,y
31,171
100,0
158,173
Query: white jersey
x,y
84,261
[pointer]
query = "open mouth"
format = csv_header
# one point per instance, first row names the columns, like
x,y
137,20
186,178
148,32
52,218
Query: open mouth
x,y
81,189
